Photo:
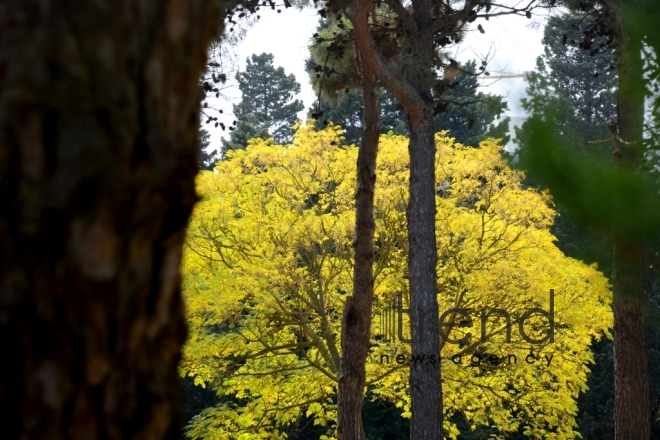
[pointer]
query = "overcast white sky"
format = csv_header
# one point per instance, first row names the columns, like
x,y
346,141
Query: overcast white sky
x,y
513,41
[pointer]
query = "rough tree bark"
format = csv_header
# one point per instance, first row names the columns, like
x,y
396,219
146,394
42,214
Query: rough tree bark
x,y
422,258
356,319
415,96
99,118
426,26
425,384
632,408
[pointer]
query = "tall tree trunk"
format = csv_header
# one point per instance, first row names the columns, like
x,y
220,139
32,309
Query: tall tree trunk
x,y
631,378
413,91
99,148
425,384
425,377
356,319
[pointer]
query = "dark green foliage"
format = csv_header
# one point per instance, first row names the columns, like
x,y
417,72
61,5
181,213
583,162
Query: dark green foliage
x,y
246,128
347,112
194,399
579,85
572,99
469,115
383,421
597,192
207,159
596,406
566,143
267,108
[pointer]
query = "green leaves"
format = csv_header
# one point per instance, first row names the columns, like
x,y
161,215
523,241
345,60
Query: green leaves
x,y
598,192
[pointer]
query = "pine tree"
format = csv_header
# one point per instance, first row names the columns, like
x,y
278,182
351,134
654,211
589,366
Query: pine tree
x,y
469,116
267,108
348,112
580,85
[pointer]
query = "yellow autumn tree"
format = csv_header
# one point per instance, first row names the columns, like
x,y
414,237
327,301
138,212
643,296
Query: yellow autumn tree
x,y
268,266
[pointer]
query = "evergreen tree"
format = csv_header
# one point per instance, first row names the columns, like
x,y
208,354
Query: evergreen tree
x,y
580,85
470,116
348,110
207,159
267,108
581,88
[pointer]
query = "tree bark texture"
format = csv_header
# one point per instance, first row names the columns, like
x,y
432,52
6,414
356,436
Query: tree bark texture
x,y
412,88
631,377
425,377
356,319
425,383
99,148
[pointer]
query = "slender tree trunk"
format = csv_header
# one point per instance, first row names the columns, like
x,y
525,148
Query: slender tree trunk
x,y
411,83
414,93
425,377
356,320
99,148
631,378
425,383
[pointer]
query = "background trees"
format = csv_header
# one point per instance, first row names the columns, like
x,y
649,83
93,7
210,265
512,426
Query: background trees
x,y
604,204
470,116
269,267
580,85
267,108
405,53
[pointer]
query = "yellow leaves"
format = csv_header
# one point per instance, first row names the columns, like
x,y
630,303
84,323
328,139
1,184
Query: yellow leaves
x,y
268,266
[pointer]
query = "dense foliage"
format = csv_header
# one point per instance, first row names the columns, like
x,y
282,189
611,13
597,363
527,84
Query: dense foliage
x,y
470,116
579,85
268,267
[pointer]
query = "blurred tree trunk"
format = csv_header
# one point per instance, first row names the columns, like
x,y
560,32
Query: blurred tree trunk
x,y
631,378
99,148
356,318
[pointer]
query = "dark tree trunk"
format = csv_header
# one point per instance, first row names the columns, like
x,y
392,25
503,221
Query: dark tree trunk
x,y
356,319
425,377
631,378
412,82
99,148
414,93
425,384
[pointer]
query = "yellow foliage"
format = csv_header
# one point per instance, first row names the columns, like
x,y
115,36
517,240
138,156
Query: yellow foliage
x,y
268,266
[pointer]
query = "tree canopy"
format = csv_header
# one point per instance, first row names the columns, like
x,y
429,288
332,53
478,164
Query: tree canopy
x,y
268,268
